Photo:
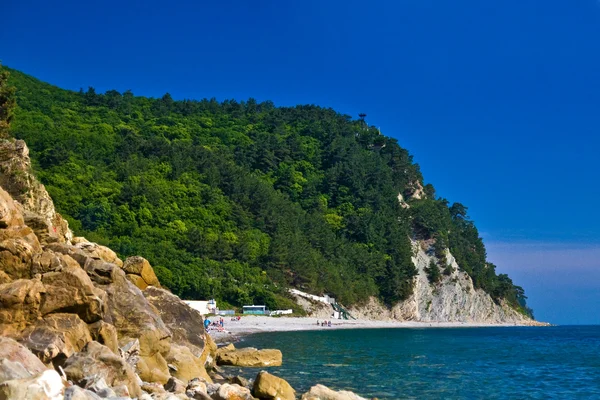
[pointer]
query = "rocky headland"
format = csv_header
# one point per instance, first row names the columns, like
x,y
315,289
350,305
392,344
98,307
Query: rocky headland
x,y
77,322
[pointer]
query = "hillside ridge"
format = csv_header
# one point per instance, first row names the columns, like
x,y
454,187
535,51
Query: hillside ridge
x,y
241,200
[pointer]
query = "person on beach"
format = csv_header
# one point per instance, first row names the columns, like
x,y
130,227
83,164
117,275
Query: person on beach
x,y
329,324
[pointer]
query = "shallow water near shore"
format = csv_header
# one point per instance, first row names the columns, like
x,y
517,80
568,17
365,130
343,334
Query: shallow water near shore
x,y
459,363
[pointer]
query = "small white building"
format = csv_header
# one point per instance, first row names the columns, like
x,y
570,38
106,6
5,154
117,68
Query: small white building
x,y
203,306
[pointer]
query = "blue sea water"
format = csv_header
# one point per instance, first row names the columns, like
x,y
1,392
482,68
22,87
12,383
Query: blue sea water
x,y
560,362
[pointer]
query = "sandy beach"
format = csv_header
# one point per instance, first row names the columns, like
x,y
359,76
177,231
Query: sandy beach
x,y
233,330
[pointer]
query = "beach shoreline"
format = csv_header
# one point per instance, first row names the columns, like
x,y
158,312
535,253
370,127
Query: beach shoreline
x,y
252,324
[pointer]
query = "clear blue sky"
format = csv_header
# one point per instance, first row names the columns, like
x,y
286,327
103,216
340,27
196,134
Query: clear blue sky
x,y
499,101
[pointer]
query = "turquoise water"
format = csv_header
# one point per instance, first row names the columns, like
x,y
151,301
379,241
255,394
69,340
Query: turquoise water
x,y
455,363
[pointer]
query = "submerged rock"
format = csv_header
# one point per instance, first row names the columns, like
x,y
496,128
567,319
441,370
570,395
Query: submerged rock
x,y
250,357
320,392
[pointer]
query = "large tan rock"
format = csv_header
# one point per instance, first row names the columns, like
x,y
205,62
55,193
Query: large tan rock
x,y
18,243
4,278
209,354
46,386
187,365
37,208
140,272
271,387
16,256
232,392
49,261
320,392
134,318
153,368
16,361
185,323
99,360
19,305
106,334
10,215
97,252
71,290
250,357
56,337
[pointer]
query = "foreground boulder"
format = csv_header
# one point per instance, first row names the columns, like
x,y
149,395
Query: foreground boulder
x,y
20,302
96,359
185,323
250,357
320,392
187,366
270,387
46,386
232,392
17,362
72,290
56,337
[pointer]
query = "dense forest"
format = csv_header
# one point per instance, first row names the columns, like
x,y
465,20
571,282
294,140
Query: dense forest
x,y
241,200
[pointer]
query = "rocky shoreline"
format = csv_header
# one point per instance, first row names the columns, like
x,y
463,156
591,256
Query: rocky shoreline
x,y
77,322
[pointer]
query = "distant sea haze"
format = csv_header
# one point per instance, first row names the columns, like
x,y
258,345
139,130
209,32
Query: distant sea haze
x,y
560,362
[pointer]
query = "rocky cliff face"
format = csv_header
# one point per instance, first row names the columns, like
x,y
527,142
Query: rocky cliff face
x,y
453,299
76,306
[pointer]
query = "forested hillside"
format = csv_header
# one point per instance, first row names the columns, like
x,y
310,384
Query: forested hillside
x,y
240,200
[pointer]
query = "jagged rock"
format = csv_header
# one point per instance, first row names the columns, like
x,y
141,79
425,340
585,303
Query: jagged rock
x,y
16,256
71,290
209,353
152,366
17,362
10,215
154,388
140,272
239,380
187,366
95,383
56,337
185,323
4,278
131,352
76,393
97,252
49,261
196,389
106,334
320,392
16,178
212,388
271,387
12,370
250,357
96,359
46,386
134,318
174,385
121,391
232,392
19,305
